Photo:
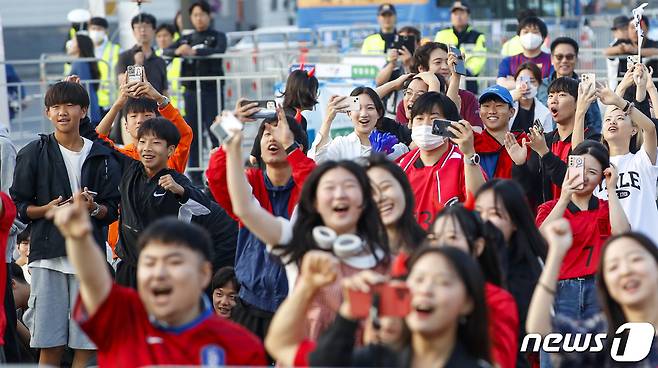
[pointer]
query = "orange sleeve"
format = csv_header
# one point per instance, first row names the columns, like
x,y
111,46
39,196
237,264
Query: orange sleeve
x,y
178,161
128,150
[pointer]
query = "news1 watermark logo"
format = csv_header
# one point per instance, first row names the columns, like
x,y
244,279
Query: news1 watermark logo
x,y
631,343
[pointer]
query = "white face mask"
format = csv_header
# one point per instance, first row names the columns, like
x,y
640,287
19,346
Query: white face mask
x,y
532,92
424,139
531,41
97,36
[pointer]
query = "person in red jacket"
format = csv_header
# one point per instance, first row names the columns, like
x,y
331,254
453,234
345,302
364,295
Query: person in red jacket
x,y
441,171
169,320
499,148
276,184
7,216
463,228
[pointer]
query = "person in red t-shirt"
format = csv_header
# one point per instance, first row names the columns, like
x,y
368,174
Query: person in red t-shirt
x,y
592,221
169,320
499,149
440,172
461,228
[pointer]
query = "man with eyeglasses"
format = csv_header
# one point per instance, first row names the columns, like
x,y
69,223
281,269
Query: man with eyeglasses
x,y
564,57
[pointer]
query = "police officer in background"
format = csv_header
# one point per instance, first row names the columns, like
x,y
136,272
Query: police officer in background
x,y
109,53
375,44
467,39
203,42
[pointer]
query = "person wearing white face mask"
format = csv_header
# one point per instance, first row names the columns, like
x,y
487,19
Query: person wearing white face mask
x,y
528,108
441,171
532,31
109,53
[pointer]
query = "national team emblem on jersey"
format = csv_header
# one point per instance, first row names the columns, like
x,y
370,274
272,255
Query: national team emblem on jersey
x,y
213,356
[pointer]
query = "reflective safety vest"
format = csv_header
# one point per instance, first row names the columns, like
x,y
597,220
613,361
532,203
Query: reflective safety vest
x,y
472,41
107,71
175,88
373,45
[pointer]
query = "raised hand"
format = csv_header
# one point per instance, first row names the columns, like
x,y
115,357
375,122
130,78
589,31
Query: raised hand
x,y
463,136
558,235
608,97
362,282
73,220
168,183
518,152
335,105
281,131
611,177
319,268
569,187
537,142
243,111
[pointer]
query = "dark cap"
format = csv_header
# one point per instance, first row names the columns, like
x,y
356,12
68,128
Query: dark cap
x,y
386,8
460,5
620,22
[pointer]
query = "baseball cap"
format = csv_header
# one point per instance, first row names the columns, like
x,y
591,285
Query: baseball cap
x,y
620,22
460,5
386,8
499,91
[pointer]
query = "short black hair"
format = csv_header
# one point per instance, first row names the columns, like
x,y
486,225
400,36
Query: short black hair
x,y
144,18
426,103
24,235
142,104
532,67
422,54
66,92
16,273
171,230
205,7
223,276
533,21
161,128
99,21
567,40
564,84
167,27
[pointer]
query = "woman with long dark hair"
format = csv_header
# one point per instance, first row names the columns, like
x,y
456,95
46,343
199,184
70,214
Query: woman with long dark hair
x,y
448,320
81,46
626,281
462,228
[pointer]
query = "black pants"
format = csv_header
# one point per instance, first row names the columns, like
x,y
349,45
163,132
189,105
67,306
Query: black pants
x,y
209,109
11,348
126,274
253,319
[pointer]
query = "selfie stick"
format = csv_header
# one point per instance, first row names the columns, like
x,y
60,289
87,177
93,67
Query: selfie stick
x,y
637,19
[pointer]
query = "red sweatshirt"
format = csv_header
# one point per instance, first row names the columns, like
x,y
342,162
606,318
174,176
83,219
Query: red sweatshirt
x,y
493,155
7,219
503,325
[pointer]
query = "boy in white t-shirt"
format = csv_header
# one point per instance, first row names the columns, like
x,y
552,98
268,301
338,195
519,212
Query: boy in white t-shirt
x,y
48,172
636,187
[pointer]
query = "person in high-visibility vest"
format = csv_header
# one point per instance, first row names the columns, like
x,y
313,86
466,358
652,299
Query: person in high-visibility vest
x,y
467,39
375,44
164,37
109,53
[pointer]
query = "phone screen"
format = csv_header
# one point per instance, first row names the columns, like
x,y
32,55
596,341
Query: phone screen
x,y
460,68
440,128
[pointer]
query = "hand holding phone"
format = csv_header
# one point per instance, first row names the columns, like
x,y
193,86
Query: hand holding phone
x,y
460,68
576,169
225,127
134,73
631,60
267,109
440,128
354,103
392,299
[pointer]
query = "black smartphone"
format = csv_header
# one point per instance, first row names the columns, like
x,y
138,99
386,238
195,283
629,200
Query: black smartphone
x,y
409,42
440,128
460,68
267,109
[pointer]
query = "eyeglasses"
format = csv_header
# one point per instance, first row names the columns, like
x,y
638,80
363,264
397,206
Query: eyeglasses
x,y
408,93
569,57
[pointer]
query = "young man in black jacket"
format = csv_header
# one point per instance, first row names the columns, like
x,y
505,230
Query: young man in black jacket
x,y
204,41
48,172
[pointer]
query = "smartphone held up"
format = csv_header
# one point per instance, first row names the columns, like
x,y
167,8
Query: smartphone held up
x,y
226,126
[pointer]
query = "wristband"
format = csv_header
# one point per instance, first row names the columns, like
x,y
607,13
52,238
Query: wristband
x,y
96,210
628,107
292,147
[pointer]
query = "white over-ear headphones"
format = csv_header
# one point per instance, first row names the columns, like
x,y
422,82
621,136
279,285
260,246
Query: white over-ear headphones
x,y
349,248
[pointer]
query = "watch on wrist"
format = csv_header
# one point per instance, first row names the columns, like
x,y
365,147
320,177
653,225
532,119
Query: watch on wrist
x,y
164,103
292,147
96,210
473,160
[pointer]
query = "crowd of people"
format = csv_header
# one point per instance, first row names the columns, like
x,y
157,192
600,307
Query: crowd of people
x,y
438,234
